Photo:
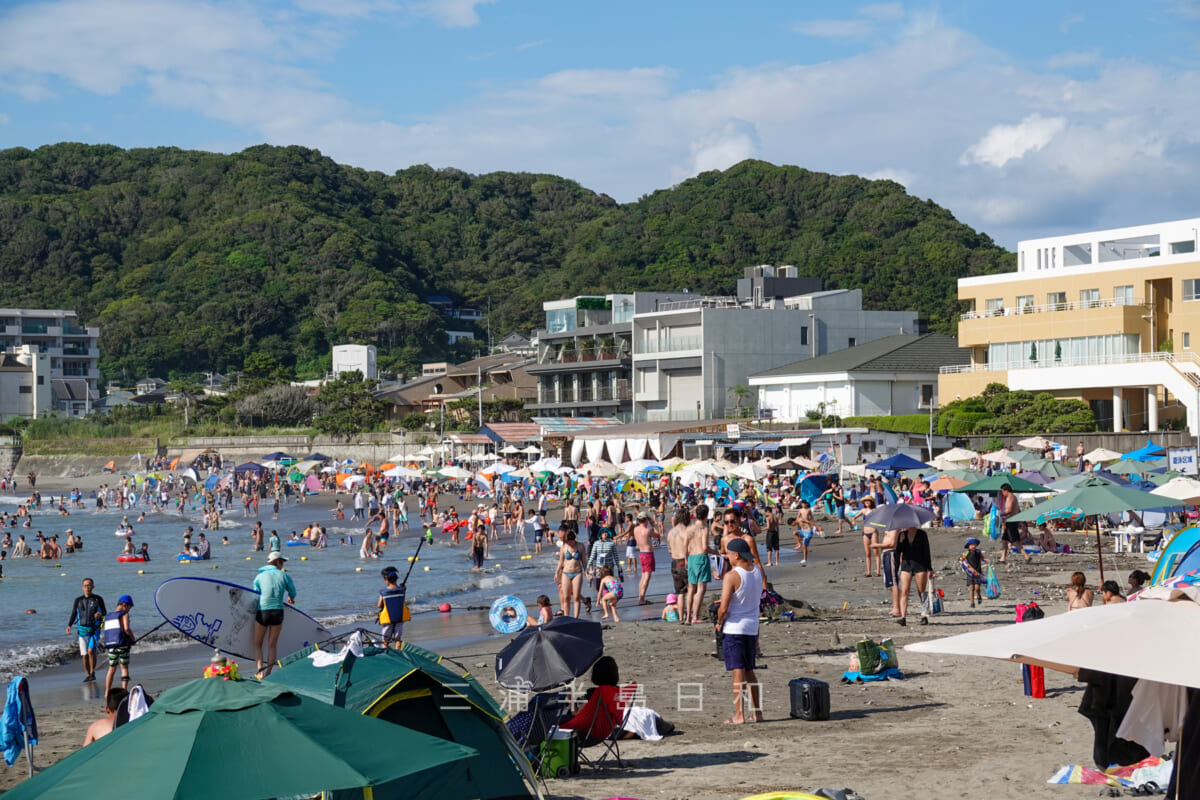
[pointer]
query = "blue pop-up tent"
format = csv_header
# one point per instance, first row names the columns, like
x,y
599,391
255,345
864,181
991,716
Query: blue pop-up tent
x,y
1148,453
898,463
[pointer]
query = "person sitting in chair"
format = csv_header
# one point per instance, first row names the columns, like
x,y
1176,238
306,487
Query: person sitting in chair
x,y
589,720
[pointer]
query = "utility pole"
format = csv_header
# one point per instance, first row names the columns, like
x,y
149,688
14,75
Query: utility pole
x,y
479,389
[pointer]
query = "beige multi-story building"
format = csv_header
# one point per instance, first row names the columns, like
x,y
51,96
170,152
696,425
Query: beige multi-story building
x,y
1106,317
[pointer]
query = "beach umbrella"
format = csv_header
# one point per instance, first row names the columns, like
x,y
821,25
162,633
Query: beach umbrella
x,y
600,469
751,471
1185,490
1033,477
994,484
1001,456
1100,455
1151,452
315,457
673,464
312,483
946,483
957,455
278,456
640,465
1036,443
896,516
898,463
510,449
1128,467
1092,638
532,450
242,740
499,468
190,475
550,655
401,472
454,473
1051,469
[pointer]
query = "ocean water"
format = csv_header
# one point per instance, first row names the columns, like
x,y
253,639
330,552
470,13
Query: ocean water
x,y
333,585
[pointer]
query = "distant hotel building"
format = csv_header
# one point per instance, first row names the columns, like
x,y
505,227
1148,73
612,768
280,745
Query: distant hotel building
x,y
71,375
1106,317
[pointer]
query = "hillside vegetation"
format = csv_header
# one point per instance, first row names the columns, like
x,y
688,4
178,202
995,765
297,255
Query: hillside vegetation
x,y
193,261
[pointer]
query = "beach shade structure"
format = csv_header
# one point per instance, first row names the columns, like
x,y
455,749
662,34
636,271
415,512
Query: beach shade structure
x,y
640,465
499,468
241,740
751,471
551,655
1023,457
510,449
531,450
1130,467
1150,452
416,689
316,457
996,482
1051,469
673,464
1182,488
454,473
350,481
898,463
897,516
600,469
1038,443
1099,638
278,455
1033,476
189,474
1100,455
957,455
1000,456
1090,498
401,472
946,483
249,468
312,483
1180,555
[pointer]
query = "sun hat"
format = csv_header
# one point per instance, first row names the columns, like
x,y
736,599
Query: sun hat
x,y
643,515
126,599
970,542
672,599
275,555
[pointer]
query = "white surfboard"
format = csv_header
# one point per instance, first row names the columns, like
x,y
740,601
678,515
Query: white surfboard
x,y
221,615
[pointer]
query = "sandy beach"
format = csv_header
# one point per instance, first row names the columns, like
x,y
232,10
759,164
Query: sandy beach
x,y
954,727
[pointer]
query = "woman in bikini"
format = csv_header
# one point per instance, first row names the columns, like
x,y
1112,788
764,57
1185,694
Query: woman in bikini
x,y
569,575
1078,595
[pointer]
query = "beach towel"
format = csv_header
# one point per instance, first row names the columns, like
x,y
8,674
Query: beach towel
x,y
889,674
992,589
1149,770
17,721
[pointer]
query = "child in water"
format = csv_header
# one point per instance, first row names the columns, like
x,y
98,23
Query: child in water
x,y
611,591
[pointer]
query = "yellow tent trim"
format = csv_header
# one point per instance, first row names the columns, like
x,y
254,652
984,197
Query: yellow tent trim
x,y
383,701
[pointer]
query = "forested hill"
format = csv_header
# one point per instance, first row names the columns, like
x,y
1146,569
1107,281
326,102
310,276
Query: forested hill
x,y
190,261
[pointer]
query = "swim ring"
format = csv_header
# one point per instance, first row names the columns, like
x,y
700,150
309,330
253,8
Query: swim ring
x,y
127,559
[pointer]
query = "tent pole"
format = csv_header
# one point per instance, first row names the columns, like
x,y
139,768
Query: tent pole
x,y
1099,550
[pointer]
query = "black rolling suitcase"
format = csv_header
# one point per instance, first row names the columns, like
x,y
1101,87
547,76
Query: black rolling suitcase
x,y
810,699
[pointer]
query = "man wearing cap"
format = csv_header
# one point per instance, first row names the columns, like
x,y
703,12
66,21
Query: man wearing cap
x,y
272,583
737,620
641,534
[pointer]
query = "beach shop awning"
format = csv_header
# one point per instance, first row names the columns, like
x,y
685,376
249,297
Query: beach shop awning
x,y
793,441
767,447
741,447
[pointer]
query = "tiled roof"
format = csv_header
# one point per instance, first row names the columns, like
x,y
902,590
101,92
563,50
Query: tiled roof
x,y
903,353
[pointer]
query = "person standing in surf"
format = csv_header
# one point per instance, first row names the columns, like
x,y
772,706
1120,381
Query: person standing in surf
x,y
272,583
87,615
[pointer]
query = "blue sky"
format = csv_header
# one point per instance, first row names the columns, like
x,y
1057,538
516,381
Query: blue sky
x,y
1023,118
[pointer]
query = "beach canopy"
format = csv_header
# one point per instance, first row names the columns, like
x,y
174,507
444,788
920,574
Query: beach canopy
x,y
1037,443
751,471
454,473
945,483
316,457
1092,638
996,482
1150,452
242,740
600,469
1090,498
1000,456
1051,469
414,688
1182,488
551,655
278,455
1100,455
1182,548
898,463
1128,466
895,516
249,467
957,455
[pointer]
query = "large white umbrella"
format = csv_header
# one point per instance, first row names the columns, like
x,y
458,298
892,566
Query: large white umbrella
x,y
550,464
454,473
1100,455
999,457
1141,638
600,469
510,449
401,472
1182,488
957,455
751,470
1036,443
640,465
499,468
708,469
532,450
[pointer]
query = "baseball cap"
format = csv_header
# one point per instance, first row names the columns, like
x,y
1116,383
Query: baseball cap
x,y
275,555
643,515
740,547
126,599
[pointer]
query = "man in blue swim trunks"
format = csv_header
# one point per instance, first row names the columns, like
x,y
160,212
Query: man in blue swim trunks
x,y
699,570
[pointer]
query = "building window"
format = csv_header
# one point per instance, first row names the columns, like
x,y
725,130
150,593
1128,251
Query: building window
x,y
1089,298
41,380
1056,300
1191,289
26,390
851,342
926,395
1187,340
1178,248
1024,302
803,334
995,305
1123,295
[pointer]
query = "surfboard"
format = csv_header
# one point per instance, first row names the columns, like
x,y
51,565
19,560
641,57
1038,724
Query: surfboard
x,y
221,615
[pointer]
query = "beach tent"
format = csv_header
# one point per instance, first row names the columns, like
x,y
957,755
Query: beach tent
x,y
814,485
249,468
1175,552
1150,452
898,463
1037,443
413,688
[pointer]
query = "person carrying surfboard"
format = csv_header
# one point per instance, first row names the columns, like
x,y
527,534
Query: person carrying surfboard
x,y
272,583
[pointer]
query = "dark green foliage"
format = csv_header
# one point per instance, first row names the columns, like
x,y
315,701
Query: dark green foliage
x,y
904,423
998,410
192,262
347,405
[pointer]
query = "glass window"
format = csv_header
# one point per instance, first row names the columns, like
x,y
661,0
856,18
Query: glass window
x,y
1187,340
1191,289
1123,295
560,320
926,395
1024,301
1178,248
851,342
803,334
995,304
1056,300
26,390
1088,298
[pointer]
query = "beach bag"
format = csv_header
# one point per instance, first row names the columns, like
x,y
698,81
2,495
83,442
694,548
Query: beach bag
x,y
931,601
887,655
992,587
992,525
868,656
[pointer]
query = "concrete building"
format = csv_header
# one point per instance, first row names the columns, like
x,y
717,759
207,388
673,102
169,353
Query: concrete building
x,y
887,377
351,357
584,354
25,383
1105,316
74,350
690,352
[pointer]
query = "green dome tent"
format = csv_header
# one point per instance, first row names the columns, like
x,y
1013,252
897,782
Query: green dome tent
x,y
412,688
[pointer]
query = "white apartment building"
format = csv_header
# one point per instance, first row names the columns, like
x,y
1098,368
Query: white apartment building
x,y
73,349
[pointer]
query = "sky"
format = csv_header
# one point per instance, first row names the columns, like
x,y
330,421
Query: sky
x,y
1024,118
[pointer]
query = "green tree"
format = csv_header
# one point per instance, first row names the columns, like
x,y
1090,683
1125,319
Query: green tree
x,y
347,405
740,393
188,392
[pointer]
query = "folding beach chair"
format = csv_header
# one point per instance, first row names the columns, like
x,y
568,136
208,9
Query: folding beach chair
x,y
609,745
535,726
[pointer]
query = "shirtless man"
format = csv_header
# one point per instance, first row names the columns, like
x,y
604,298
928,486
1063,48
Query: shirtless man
x,y
642,533
891,574
806,526
699,570
570,517
104,726
677,546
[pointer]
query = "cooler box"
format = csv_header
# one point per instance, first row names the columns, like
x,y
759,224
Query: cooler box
x,y
810,699
560,755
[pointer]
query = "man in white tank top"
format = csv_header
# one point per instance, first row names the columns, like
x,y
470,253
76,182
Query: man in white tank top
x,y
741,590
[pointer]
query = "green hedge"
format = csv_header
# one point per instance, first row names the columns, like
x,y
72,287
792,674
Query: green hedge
x,y
906,423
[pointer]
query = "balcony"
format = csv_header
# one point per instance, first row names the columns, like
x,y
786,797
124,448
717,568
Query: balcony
x,y
564,359
672,344
72,351
75,330
667,415
1053,321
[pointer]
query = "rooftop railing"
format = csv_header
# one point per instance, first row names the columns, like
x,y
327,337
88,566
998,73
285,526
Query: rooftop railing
x,y
1079,305
1188,358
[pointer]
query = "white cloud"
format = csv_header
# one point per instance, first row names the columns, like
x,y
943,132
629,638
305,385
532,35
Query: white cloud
x,y
451,13
1074,58
734,141
836,28
1003,143
883,12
